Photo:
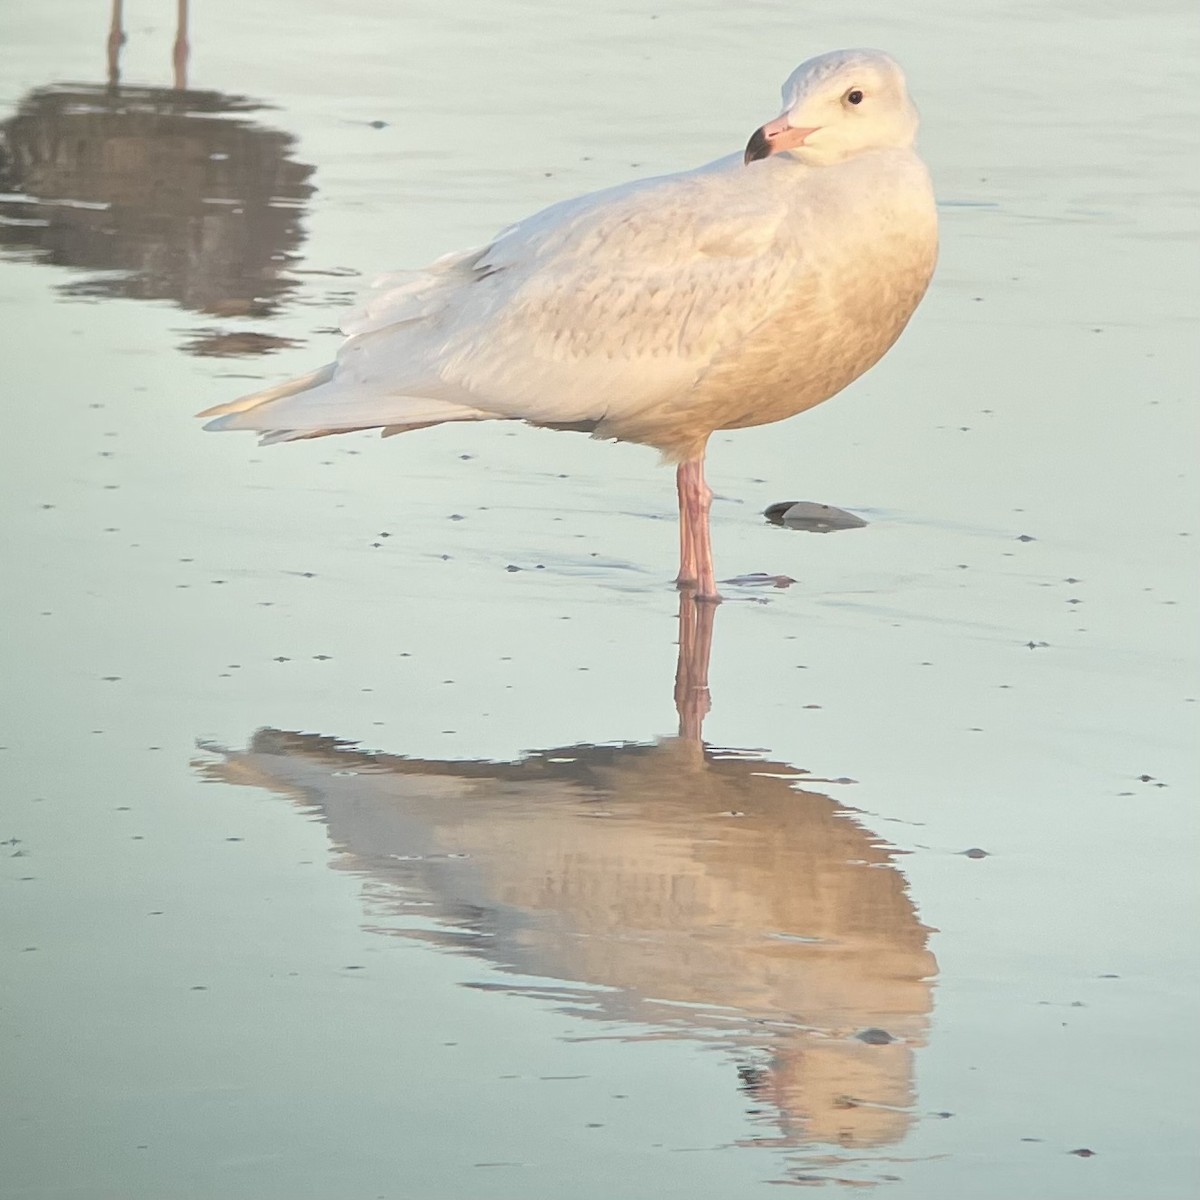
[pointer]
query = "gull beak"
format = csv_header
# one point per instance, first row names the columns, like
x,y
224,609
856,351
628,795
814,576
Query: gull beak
x,y
775,136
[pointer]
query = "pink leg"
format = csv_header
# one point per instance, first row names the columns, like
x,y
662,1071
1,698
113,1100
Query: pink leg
x,y
696,561
687,546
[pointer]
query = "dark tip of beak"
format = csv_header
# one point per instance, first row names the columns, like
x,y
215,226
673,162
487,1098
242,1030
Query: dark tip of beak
x,y
757,147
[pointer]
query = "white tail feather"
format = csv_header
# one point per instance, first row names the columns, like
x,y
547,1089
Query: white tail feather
x,y
289,387
316,404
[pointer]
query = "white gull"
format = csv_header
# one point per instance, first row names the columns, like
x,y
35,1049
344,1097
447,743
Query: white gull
x,y
736,294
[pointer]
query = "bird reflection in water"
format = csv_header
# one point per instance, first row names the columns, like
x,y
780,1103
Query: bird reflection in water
x,y
157,194
688,891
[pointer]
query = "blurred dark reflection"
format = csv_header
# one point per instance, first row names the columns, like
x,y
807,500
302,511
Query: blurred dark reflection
x,y
156,194
689,891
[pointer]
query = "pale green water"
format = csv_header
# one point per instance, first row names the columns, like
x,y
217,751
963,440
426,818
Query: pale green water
x,y
274,975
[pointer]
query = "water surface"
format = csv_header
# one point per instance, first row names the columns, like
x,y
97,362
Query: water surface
x,y
367,831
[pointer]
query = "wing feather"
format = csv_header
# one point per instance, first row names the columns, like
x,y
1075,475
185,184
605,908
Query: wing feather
x,y
610,301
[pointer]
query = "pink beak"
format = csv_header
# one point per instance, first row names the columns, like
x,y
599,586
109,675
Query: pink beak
x,y
774,136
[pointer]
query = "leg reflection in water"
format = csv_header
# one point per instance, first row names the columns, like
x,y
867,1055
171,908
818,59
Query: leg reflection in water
x,y
691,891
180,49
692,699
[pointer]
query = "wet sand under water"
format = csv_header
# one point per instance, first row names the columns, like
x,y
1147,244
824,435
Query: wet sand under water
x,y
367,828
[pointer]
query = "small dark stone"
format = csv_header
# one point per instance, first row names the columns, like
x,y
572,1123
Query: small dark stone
x,y
1083,1152
810,517
874,1036
975,852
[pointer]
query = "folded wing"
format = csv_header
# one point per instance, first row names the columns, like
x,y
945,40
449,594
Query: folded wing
x,y
600,306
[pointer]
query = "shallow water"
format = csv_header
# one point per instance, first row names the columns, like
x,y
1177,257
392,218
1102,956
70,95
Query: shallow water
x,y
359,838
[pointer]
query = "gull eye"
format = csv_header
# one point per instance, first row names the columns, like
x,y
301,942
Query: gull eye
x,y
854,97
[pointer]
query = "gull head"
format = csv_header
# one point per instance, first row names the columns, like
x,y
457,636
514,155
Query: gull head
x,y
838,105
